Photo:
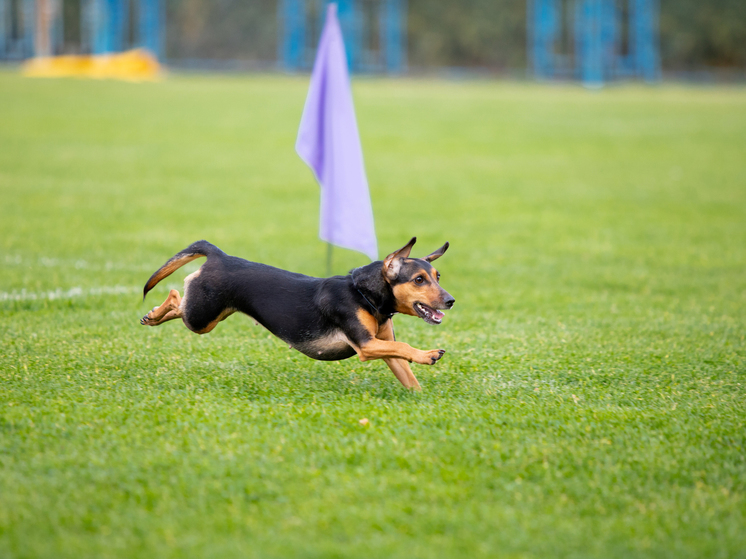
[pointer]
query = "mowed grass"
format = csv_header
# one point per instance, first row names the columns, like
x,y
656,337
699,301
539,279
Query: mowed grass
x,y
592,400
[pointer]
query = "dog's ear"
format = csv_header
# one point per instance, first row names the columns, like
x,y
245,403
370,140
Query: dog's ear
x,y
437,254
392,263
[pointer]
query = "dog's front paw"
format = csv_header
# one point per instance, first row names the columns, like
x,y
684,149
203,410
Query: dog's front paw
x,y
430,357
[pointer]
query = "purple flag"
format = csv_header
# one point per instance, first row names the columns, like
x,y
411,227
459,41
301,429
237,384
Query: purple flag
x,y
328,142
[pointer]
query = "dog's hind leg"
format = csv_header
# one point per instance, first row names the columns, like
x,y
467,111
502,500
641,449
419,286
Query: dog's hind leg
x,y
210,326
169,310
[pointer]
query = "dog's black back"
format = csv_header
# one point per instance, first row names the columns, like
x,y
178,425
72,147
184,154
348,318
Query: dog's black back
x,y
306,312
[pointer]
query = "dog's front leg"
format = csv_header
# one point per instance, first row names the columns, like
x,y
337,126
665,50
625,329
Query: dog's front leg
x,y
381,349
376,348
402,372
399,367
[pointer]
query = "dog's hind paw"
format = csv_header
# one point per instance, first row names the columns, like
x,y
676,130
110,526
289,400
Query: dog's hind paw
x,y
146,320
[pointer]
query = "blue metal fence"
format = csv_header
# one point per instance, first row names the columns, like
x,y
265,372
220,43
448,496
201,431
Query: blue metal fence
x,y
292,45
105,27
151,26
392,29
17,29
597,27
112,28
591,40
301,22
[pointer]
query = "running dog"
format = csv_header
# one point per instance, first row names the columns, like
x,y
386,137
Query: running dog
x,y
324,318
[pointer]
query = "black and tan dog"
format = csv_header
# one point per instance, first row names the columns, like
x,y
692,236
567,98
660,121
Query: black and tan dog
x,y
324,318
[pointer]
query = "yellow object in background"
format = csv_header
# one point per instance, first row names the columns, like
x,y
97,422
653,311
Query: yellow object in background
x,y
131,65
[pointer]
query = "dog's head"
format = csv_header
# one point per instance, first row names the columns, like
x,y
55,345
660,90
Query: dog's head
x,y
416,284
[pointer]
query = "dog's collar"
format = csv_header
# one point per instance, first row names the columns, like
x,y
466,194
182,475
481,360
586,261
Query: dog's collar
x,y
376,310
372,306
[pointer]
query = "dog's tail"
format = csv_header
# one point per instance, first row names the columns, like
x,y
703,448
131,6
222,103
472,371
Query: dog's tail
x,y
192,252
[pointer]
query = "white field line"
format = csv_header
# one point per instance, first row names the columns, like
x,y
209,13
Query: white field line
x,y
17,260
72,293
79,264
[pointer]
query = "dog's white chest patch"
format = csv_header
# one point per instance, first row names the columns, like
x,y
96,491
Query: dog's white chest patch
x,y
327,348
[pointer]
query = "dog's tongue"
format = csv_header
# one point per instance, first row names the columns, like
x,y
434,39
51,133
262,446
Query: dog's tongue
x,y
437,315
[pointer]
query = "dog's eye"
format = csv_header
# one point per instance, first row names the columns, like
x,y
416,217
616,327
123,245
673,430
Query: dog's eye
x,y
437,276
419,279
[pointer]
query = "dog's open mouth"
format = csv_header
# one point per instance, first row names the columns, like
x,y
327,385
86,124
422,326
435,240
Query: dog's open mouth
x,y
428,314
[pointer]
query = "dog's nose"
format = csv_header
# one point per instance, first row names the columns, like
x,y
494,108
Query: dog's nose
x,y
449,301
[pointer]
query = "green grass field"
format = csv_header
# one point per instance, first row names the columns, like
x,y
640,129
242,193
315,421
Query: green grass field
x,y
592,400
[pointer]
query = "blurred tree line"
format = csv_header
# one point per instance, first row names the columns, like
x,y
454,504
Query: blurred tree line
x,y
464,33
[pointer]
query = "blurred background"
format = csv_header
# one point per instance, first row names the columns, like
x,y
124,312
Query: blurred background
x,y
691,39
591,403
